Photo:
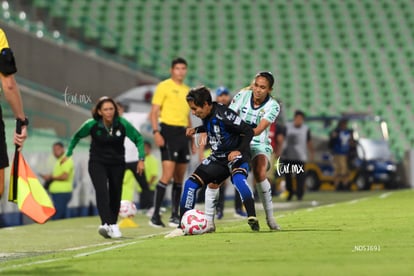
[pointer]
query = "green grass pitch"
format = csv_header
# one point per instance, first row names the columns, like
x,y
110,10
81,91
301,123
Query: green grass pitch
x,y
360,233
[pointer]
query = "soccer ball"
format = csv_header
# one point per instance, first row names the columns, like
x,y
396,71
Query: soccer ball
x,y
194,222
127,209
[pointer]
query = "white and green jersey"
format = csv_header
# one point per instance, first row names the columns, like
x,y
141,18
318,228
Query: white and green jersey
x,y
242,103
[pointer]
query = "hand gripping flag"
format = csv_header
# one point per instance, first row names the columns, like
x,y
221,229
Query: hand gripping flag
x,y
27,191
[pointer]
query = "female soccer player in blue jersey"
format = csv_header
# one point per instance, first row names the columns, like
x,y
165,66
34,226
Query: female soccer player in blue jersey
x,y
229,138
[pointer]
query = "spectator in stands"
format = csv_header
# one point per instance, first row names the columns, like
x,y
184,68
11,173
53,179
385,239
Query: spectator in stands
x,y
132,156
341,142
60,182
297,144
170,116
12,94
107,159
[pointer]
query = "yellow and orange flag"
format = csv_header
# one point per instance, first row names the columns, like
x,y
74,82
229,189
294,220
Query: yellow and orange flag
x,y
27,191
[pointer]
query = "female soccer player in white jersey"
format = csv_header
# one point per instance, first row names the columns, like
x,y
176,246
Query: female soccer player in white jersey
x,y
258,108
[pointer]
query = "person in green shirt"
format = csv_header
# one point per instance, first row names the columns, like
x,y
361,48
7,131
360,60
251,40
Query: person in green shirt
x,y
107,159
60,182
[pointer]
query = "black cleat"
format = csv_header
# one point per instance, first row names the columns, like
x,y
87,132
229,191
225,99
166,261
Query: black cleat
x,y
174,222
254,223
156,222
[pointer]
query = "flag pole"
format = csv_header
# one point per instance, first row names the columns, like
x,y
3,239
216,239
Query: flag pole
x,y
16,162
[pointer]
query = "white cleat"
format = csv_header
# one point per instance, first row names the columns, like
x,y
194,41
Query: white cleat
x,y
273,225
178,232
104,231
211,227
115,233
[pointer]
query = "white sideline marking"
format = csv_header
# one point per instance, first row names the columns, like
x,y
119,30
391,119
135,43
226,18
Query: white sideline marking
x,y
104,249
33,263
354,201
75,256
9,228
88,246
385,195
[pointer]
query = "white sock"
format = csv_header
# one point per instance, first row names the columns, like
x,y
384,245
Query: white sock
x,y
209,205
265,193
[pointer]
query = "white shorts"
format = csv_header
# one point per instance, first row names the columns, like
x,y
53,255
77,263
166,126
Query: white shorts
x,y
264,149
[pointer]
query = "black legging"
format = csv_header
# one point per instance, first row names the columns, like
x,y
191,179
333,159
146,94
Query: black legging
x,y
238,204
107,180
146,197
300,178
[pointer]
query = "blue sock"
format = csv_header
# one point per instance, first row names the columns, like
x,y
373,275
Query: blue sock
x,y
240,182
188,198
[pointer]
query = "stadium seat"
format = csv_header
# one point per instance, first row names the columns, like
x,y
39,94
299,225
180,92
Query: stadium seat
x,y
42,3
109,39
58,10
337,53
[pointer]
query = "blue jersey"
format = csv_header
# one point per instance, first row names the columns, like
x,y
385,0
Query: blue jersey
x,y
226,131
341,144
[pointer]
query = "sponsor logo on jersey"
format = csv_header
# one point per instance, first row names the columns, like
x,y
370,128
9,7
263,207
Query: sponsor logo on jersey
x,y
237,121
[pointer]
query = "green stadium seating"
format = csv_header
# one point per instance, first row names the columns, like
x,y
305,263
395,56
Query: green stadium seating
x,y
58,10
76,15
329,56
42,3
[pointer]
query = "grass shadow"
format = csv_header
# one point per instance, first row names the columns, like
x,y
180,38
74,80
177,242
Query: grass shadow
x,y
61,270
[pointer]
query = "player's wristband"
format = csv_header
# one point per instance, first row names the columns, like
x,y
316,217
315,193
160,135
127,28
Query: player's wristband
x,y
155,131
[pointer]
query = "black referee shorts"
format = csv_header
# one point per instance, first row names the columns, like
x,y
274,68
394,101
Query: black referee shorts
x,y
177,144
4,159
